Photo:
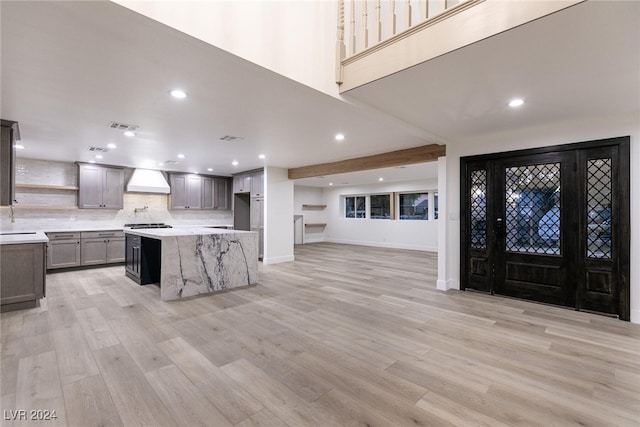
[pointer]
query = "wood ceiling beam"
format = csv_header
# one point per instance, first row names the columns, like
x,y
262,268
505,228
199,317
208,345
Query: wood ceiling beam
x,y
408,156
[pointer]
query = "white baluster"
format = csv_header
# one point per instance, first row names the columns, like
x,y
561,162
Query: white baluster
x,y
424,10
352,39
392,17
340,47
365,26
407,15
378,22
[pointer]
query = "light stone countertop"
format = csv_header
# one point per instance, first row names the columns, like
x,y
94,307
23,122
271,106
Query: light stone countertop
x,y
159,233
20,237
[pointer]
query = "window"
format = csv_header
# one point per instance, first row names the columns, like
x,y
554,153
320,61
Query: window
x,y
355,207
380,206
435,206
414,206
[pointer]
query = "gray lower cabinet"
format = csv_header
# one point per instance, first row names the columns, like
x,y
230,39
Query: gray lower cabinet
x,y
115,250
22,275
74,249
102,247
63,250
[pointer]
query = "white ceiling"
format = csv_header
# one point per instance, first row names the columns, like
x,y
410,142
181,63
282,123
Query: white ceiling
x,y
69,68
581,62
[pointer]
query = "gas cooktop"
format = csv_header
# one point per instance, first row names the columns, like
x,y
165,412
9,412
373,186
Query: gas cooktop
x,y
151,225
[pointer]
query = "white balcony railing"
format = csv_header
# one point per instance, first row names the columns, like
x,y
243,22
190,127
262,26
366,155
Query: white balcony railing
x,y
364,24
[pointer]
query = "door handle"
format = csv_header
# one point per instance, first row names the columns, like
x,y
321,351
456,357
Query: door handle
x,y
498,228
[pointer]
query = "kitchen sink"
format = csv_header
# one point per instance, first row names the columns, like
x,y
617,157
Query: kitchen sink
x,y
17,232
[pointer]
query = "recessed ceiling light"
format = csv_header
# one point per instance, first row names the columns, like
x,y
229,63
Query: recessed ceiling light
x,y
129,133
98,156
331,183
262,156
178,93
92,161
112,145
381,179
195,172
160,164
18,147
339,137
516,102
181,156
210,169
234,163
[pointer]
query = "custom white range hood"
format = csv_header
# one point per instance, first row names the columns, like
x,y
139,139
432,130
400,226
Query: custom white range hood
x,y
148,181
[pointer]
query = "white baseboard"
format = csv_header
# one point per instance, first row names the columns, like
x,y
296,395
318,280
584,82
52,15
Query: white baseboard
x,y
445,285
278,260
385,245
635,316
318,240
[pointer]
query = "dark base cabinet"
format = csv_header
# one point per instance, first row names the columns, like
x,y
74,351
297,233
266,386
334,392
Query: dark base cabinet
x,y
142,259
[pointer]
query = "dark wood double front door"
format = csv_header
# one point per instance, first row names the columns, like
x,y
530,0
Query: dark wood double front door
x,y
549,225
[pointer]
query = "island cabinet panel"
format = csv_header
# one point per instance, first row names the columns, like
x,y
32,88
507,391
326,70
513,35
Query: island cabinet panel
x,y
63,250
186,191
100,187
22,275
142,262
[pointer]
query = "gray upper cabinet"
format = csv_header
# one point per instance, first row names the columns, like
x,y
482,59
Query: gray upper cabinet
x,y
198,192
7,162
186,191
101,187
221,196
257,184
207,193
242,184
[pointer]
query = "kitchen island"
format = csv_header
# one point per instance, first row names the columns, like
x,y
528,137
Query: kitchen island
x,y
194,260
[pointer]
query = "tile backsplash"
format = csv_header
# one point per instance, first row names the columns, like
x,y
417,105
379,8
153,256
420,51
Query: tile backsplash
x,y
32,171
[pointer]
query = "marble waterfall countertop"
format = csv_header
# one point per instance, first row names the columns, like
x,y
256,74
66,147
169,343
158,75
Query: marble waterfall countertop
x,y
198,260
18,237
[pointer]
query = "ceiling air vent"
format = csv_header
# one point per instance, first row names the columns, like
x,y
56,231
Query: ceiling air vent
x,y
231,138
122,126
170,162
98,149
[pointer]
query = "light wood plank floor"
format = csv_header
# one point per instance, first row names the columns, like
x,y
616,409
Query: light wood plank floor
x,y
345,335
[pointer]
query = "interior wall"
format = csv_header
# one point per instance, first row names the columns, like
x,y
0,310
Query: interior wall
x,y
278,216
292,38
551,134
400,234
